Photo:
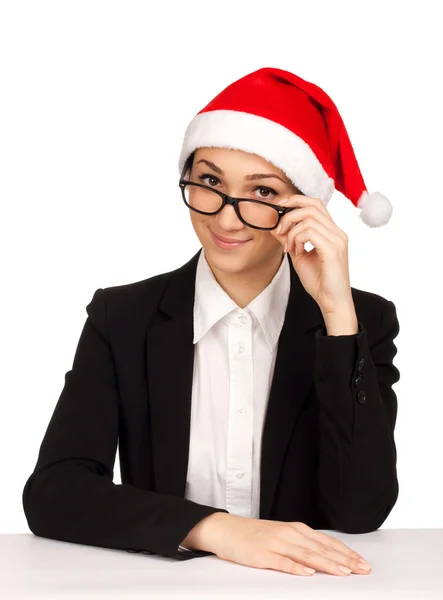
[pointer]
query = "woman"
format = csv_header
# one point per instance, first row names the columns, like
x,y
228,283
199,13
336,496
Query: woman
x,y
250,390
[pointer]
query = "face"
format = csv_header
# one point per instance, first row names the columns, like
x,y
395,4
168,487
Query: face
x,y
227,171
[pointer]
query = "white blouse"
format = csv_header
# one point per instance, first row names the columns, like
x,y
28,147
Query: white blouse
x,y
235,352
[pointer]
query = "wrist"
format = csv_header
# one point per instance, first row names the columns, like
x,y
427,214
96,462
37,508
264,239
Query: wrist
x,y
341,322
203,535
342,326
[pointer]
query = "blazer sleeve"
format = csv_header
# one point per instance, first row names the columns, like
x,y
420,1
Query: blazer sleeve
x,y
70,496
357,475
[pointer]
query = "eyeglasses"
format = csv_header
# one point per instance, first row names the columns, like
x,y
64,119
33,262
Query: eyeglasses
x,y
253,213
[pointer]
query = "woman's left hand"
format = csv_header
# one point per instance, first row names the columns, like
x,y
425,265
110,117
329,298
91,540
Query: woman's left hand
x,y
324,270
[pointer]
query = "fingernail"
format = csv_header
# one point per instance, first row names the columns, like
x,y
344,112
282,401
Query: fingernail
x,y
278,229
345,569
280,202
363,564
308,570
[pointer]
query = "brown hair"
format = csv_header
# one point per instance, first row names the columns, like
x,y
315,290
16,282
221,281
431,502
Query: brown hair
x,y
189,162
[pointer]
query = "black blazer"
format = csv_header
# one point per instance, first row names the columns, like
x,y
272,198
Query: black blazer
x,y
328,451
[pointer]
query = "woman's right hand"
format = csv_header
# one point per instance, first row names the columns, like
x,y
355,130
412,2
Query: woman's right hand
x,y
279,545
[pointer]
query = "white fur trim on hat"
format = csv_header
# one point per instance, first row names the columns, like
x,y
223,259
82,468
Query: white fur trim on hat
x,y
258,135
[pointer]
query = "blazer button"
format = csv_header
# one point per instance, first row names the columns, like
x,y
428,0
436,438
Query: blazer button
x,y
361,397
358,380
147,552
132,550
360,364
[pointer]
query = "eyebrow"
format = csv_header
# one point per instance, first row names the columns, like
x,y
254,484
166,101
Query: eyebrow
x,y
247,177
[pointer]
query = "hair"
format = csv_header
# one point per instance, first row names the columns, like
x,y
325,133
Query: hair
x,y
189,162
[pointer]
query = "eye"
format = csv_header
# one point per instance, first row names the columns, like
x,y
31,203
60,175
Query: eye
x,y
269,190
270,194
203,177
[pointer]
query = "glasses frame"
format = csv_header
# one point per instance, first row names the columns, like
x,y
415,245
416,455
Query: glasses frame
x,y
232,202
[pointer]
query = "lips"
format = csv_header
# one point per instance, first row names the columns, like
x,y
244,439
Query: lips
x,y
229,240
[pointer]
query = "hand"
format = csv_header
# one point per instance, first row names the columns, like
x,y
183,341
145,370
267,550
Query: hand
x,y
324,270
279,545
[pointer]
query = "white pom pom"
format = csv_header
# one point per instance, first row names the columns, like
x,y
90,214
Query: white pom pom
x,y
376,210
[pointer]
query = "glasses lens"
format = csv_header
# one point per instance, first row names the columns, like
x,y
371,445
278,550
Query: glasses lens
x,y
202,199
209,201
257,214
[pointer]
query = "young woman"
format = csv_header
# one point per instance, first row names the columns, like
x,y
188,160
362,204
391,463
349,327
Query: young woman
x,y
250,390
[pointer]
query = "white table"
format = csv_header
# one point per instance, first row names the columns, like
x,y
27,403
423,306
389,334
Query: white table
x,y
406,563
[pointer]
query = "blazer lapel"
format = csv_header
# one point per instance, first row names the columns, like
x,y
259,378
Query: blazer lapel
x,y
170,367
292,380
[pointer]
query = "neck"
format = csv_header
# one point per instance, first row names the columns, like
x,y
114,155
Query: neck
x,y
244,286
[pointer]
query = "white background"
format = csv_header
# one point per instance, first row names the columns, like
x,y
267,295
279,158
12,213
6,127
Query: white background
x,y
94,101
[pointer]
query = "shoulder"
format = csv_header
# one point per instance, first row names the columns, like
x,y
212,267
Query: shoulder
x,y
370,301
130,301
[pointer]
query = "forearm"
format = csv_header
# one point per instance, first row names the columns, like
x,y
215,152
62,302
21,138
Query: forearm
x,y
357,480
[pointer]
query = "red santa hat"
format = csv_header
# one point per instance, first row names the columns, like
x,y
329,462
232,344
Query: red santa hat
x,y
294,125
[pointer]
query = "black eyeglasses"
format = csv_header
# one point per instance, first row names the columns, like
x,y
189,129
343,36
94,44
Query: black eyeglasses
x,y
253,213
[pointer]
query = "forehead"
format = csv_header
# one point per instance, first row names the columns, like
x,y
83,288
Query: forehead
x,y
231,158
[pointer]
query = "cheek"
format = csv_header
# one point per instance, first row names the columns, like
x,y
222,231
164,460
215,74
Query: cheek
x,y
199,223
196,219
268,241
264,244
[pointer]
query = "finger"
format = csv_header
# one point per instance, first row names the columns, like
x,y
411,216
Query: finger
x,y
301,214
325,539
312,232
306,201
295,245
320,561
294,242
333,233
340,557
278,562
319,205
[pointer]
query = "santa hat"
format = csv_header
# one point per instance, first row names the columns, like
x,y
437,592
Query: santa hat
x,y
294,125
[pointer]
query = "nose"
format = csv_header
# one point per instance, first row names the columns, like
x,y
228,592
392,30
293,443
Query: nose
x,y
228,219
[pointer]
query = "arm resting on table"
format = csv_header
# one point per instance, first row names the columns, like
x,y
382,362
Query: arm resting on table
x,y
70,496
